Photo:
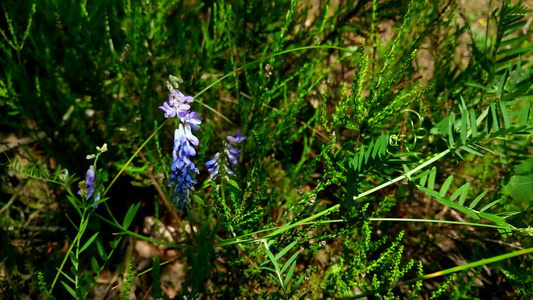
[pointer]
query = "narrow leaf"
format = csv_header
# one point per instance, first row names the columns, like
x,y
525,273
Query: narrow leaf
x,y
289,275
460,190
95,265
88,243
525,113
69,289
285,250
66,276
451,204
470,150
369,151
495,124
505,114
296,285
74,203
130,215
490,205
478,198
423,180
462,198
445,186
473,124
288,262
464,126
451,122
101,250
432,175
272,259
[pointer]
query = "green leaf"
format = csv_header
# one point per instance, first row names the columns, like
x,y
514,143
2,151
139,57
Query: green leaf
x,y
471,150
99,201
498,221
295,286
234,183
525,113
520,187
445,186
289,275
384,143
478,198
503,80
132,211
495,124
101,250
490,205
459,191
73,260
272,259
462,198
369,151
432,176
66,276
288,262
74,203
268,269
473,124
88,243
72,223
464,126
451,122
361,157
95,265
199,200
505,114
449,203
286,249
514,51
69,289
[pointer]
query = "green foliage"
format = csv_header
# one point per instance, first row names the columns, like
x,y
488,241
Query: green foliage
x,y
129,277
282,273
385,139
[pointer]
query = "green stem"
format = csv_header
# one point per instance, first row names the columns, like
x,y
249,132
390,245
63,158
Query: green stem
x,y
405,176
76,241
444,222
133,156
82,230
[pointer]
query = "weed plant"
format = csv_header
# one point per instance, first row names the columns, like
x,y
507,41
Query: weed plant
x,y
266,150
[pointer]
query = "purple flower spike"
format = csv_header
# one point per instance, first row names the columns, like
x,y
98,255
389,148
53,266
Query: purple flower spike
x,y
230,155
237,139
182,168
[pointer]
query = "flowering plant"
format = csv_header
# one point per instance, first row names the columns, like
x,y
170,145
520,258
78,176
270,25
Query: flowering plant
x,y
182,167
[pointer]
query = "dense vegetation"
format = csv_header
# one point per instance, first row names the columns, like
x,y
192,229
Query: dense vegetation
x,y
388,149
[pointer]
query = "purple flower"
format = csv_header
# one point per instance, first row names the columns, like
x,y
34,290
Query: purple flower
x,y
89,183
177,103
237,139
212,165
